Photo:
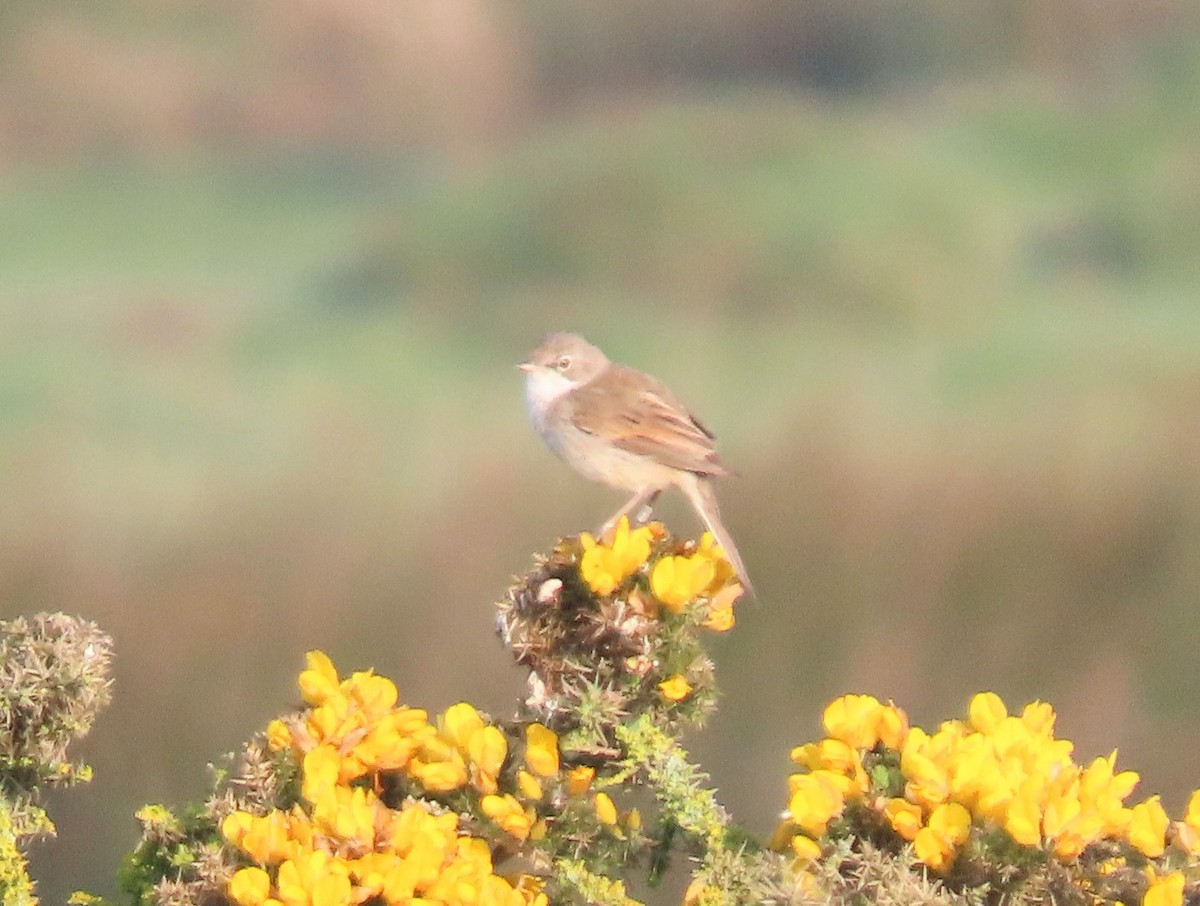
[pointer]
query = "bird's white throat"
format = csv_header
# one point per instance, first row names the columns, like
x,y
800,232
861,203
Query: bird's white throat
x,y
542,387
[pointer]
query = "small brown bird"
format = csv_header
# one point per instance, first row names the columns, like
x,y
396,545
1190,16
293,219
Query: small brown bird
x,y
623,428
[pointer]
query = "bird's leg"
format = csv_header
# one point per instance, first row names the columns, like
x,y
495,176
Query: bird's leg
x,y
643,514
639,507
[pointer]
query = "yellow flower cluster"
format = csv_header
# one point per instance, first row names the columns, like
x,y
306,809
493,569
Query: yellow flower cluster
x,y
541,757
402,855
991,770
675,580
344,845
605,565
834,773
1011,771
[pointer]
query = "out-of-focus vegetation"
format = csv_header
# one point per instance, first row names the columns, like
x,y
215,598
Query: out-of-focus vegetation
x,y
927,268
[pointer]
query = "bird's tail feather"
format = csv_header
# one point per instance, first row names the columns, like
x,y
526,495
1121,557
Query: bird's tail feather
x,y
704,500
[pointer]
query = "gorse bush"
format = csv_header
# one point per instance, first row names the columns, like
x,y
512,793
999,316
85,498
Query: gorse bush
x,y
361,798
993,805
54,680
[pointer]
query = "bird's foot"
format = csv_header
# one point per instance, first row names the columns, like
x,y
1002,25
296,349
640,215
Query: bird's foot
x,y
638,510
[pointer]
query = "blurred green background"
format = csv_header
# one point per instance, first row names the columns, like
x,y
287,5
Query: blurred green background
x,y
931,270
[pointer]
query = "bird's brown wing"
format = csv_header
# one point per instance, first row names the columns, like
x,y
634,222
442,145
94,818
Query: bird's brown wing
x,y
635,412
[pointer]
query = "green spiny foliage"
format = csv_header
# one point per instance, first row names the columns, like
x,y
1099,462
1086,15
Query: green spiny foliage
x,y
677,783
576,881
182,859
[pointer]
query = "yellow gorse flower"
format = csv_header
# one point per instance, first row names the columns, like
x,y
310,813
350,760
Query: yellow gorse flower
x,y
937,843
530,786
605,566
265,838
720,619
464,749
862,721
250,886
675,688
1148,827
458,724
579,779
279,736
349,816
606,810
541,750
805,847
508,812
987,712
694,891
723,571
319,680
904,817
314,878
1165,890
816,799
678,580
835,757
486,749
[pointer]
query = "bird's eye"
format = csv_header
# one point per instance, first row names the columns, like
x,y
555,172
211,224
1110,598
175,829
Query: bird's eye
x,y
563,364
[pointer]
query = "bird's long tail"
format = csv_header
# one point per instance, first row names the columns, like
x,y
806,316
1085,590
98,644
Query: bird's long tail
x,y
703,499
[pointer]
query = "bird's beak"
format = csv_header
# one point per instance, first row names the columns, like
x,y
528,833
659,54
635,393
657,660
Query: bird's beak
x,y
527,367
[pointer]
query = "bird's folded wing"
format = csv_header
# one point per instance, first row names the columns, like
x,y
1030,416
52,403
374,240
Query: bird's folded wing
x,y
643,417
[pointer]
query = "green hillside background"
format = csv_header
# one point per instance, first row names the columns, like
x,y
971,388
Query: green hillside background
x,y
930,270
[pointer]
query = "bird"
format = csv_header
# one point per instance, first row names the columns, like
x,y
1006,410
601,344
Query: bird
x,y
618,426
